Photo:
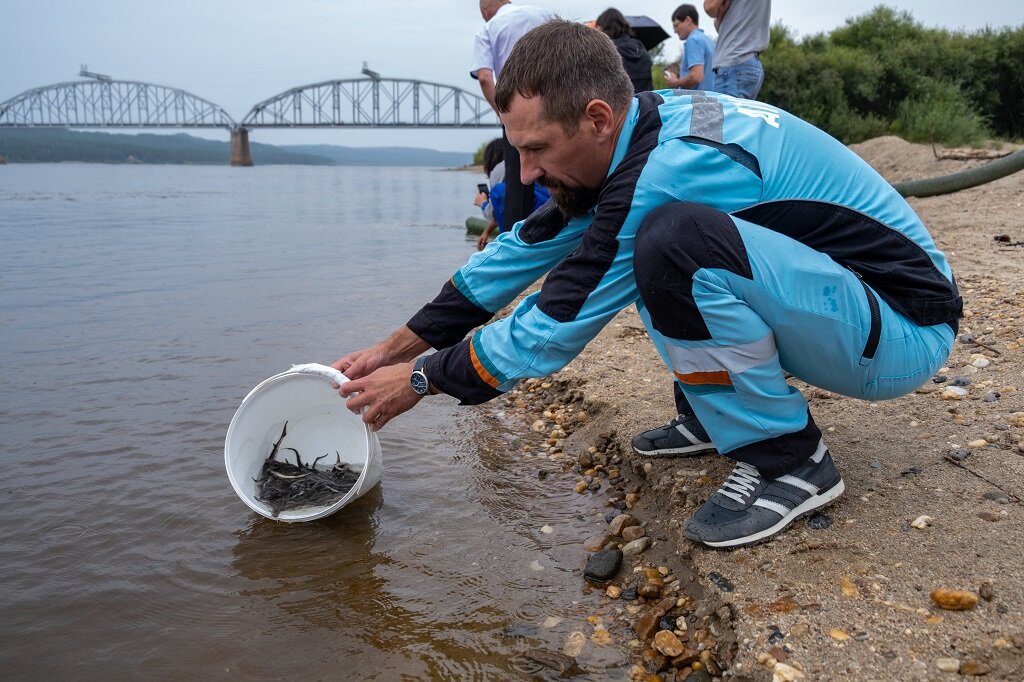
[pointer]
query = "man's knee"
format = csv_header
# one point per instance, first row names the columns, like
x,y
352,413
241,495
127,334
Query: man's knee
x,y
678,239
674,242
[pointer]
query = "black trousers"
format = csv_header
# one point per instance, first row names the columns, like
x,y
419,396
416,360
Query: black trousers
x,y
518,197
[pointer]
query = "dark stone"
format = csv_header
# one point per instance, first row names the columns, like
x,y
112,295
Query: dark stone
x,y
939,379
667,623
875,465
967,339
564,665
860,636
960,381
991,397
721,582
612,514
820,521
699,676
542,474
776,635
629,594
958,455
912,471
997,496
602,566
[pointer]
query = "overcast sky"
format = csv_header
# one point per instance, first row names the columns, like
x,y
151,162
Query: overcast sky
x,y
239,53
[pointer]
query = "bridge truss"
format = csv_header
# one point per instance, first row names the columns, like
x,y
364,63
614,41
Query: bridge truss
x,y
106,103
371,103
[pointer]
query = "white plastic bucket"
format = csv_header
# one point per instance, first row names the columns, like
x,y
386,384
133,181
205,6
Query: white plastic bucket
x,y
318,424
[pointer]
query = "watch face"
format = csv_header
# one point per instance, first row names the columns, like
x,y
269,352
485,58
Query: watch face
x,y
419,383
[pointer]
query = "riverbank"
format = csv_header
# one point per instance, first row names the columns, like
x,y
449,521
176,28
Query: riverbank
x,y
847,596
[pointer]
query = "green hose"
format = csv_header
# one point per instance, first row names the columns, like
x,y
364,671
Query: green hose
x,y
972,177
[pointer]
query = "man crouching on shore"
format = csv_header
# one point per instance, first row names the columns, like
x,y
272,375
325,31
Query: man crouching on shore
x,y
752,243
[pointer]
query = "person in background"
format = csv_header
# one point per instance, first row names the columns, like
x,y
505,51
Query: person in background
x,y
495,203
754,245
743,32
494,169
635,57
694,72
505,25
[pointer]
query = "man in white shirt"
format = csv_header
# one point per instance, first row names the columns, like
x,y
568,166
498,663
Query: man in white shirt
x,y
506,24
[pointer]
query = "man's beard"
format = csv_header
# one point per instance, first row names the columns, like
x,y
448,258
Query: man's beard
x,y
573,202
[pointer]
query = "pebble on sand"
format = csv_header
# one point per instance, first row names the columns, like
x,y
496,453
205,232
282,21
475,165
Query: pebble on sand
x,y
954,600
921,522
785,673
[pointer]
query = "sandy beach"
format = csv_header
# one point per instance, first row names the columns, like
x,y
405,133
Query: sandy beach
x,y
933,501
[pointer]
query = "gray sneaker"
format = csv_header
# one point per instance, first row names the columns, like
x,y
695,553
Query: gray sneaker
x,y
749,508
683,436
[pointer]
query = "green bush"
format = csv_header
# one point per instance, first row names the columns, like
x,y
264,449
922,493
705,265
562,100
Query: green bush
x,y
883,73
940,113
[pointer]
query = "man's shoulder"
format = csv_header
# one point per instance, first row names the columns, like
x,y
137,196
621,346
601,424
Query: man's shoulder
x,y
509,14
699,36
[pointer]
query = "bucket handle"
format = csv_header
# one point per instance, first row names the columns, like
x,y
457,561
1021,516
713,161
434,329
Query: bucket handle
x,y
323,371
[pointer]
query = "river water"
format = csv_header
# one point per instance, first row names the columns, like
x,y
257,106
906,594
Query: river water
x,y
139,305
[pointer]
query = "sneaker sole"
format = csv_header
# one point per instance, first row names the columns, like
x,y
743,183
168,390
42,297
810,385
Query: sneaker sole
x,y
809,505
675,452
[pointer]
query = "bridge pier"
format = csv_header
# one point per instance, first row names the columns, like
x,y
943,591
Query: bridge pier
x,y
240,155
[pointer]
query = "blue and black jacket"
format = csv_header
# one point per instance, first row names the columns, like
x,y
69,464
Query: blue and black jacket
x,y
745,158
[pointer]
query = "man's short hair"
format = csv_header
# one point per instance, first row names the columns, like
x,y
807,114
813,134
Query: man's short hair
x,y
568,65
684,11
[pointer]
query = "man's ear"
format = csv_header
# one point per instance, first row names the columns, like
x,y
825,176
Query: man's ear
x,y
598,115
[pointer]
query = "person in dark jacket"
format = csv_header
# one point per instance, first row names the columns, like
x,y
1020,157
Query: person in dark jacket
x,y
634,55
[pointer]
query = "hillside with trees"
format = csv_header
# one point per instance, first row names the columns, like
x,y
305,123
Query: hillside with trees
x,y
55,145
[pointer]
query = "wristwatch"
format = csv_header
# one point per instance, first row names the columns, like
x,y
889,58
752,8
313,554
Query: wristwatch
x,y
418,378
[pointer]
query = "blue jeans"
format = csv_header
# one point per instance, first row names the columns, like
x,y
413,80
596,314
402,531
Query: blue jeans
x,y
740,80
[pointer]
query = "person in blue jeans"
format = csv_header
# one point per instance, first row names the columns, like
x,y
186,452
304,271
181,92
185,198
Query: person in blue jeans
x,y
743,32
754,245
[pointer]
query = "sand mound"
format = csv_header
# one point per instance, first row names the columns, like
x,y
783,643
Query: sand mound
x,y
896,159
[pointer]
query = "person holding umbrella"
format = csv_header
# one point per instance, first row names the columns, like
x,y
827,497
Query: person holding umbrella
x,y
634,55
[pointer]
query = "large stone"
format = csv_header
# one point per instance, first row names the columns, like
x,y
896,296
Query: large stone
x,y
636,547
596,543
633,533
602,566
621,521
646,625
667,643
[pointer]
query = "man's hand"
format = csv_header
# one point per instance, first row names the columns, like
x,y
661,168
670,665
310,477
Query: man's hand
x,y
401,346
385,393
481,242
359,363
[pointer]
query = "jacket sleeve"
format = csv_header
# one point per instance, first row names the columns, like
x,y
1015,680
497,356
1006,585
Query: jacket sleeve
x,y
495,276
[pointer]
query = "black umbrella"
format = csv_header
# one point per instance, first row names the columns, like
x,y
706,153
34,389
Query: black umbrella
x,y
647,30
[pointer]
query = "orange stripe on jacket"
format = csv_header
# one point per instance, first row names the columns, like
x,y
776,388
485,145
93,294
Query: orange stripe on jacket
x,y
720,378
486,376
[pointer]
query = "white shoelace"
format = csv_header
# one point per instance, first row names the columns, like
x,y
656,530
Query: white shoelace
x,y
741,482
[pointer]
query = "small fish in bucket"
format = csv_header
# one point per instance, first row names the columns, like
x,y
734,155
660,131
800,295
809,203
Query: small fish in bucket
x,y
294,452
